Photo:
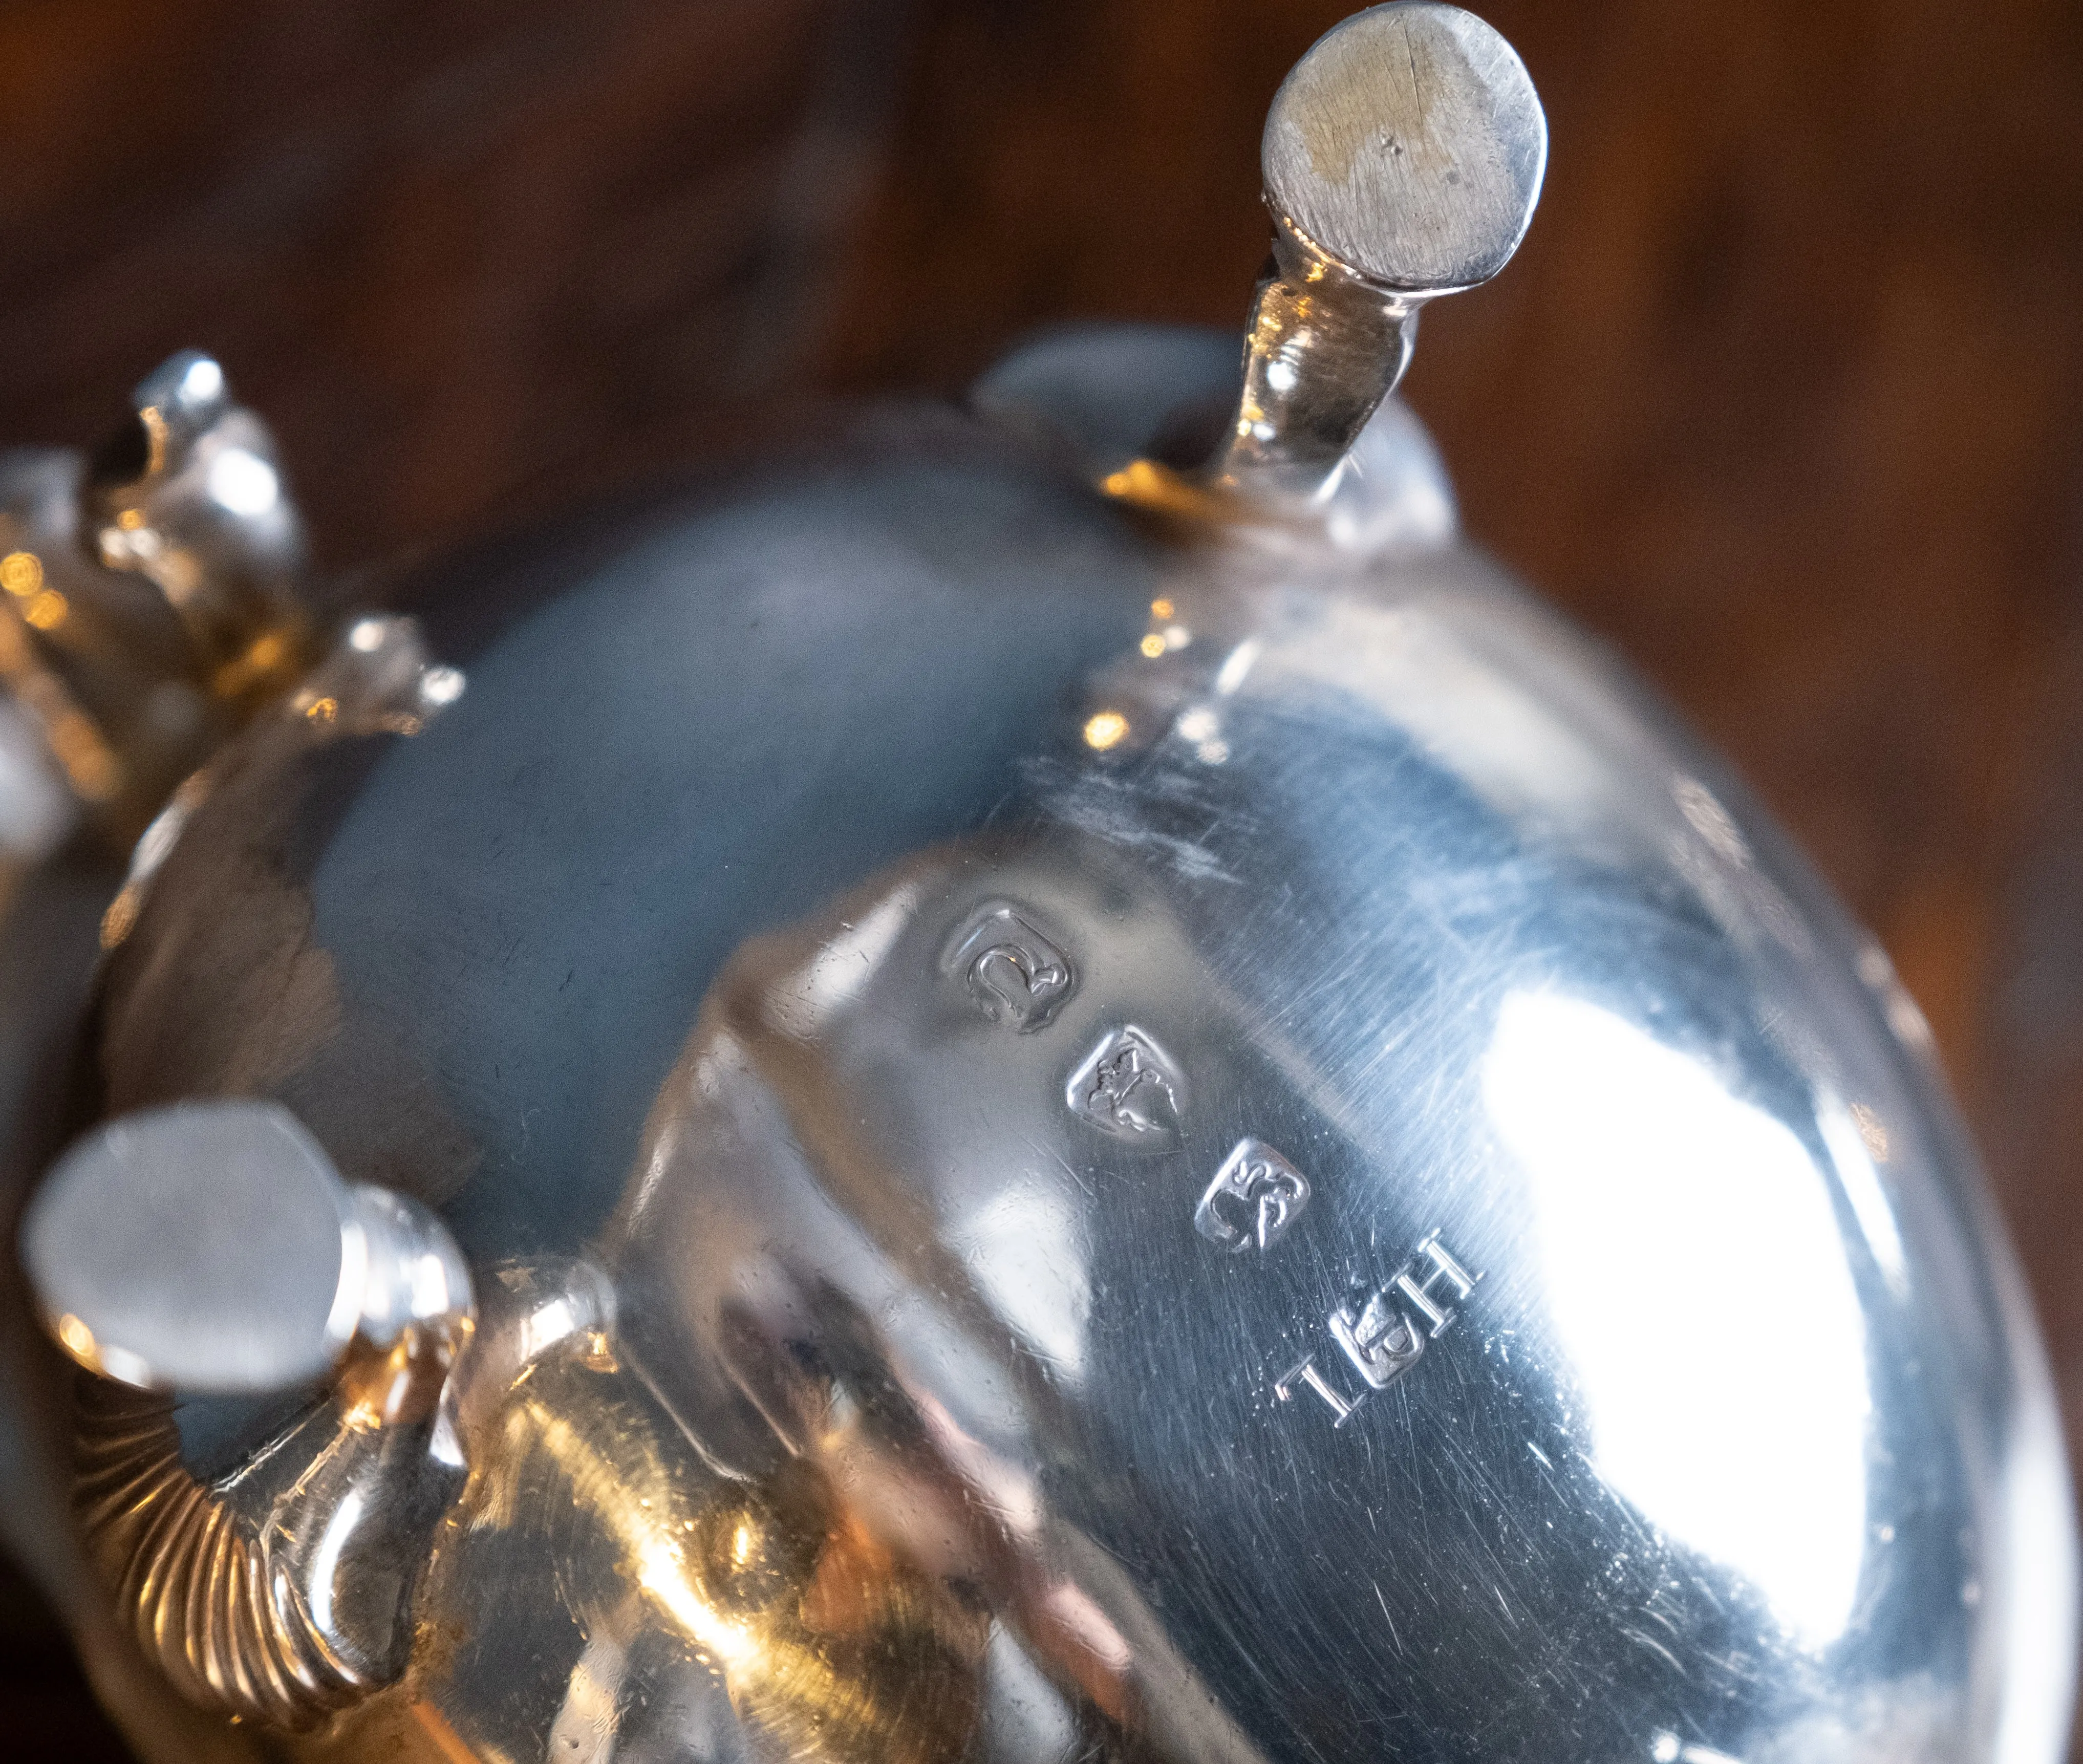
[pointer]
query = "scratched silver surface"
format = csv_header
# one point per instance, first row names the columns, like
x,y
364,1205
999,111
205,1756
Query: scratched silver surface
x,y
1710,1445
1410,146
1402,160
1216,1150
1103,1101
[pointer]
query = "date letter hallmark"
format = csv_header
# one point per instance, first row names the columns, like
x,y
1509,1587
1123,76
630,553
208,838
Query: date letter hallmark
x,y
1255,1197
1016,976
1129,1088
1379,1336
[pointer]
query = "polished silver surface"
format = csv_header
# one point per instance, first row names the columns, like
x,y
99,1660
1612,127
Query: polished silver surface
x,y
148,604
193,500
1407,146
1403,157
1621,1385
1031,1106
1321,1186
213,1249
202,1246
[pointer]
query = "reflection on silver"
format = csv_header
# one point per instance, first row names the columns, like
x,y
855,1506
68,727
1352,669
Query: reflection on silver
x,y
195,506
817,969
147,607
1627,1147
213,1247
1637,1324
378,679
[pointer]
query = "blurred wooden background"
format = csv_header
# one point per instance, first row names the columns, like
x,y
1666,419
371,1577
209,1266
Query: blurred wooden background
x,y
1784,394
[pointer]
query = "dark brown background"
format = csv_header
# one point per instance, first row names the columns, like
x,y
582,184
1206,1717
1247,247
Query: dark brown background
x,y
1782,395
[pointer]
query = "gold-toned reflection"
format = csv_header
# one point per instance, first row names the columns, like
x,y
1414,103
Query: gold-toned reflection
x,y
90,765
824,1644
1104,730
268,661
48,610
1144,483
22,576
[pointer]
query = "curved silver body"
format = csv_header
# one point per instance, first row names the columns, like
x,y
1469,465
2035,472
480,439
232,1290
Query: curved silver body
x,y
1087,1137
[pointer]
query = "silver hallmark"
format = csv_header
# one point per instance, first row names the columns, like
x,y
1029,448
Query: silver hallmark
x,y
1443,1268
1015,975
1378,1339
1129,1088
1255,1198
1377,1335
1306,1373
